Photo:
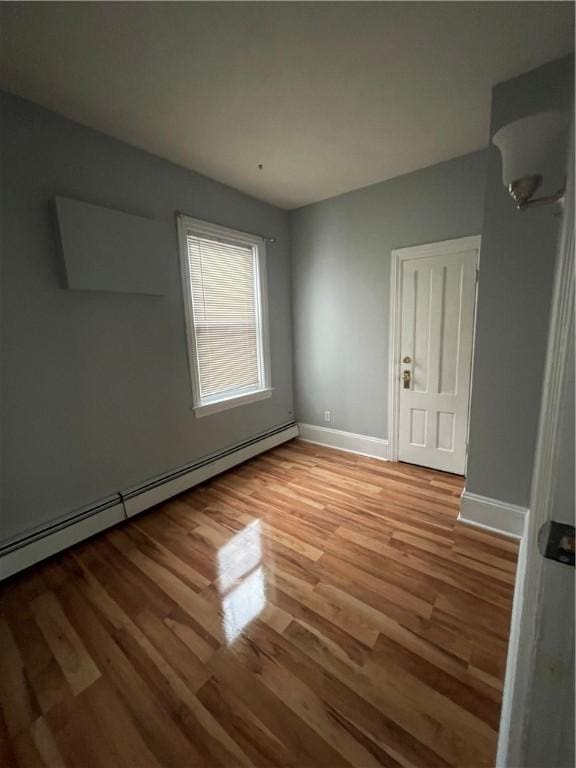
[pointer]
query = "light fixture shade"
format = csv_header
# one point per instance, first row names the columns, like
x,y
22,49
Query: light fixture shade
x,y
526,144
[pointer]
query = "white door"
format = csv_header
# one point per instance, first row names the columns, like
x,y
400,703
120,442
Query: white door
x,y
437,288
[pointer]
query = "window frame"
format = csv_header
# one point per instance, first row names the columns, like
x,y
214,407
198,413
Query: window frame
x,y
215,404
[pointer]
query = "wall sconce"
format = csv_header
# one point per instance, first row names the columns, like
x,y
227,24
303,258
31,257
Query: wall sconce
x,y
525,146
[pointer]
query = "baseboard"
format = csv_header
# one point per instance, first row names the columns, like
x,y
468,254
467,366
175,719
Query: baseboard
x,y
20,554
46,543
364,445
137,500
492,514
510,520
506,738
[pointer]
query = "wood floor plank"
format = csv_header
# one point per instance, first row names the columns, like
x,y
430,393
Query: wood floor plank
x,y
26,752
191,634
7,756
42,671
404,564
46,744
274,713
455,684
351,710
353,622
307,609
19,705
75,662
262,658
156,724
417,708
79,736
253,737
178,591
137,537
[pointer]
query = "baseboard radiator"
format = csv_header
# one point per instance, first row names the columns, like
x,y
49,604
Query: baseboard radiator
x,y
143,497
34,546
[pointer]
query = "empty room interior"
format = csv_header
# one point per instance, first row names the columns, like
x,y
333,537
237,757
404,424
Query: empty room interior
x,y
287,384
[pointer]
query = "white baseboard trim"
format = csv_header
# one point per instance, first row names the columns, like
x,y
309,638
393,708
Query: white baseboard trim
x,y
138,500
492,514
51,543
512,660
364,445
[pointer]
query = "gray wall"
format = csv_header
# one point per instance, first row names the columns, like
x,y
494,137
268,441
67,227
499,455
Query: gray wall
x,y
96,393
341,284
516,270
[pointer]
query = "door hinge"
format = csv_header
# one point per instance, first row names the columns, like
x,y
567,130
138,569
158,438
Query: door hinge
x,y
477,275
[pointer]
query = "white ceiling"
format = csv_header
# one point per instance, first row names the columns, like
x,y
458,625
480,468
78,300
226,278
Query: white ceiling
x,y
328,96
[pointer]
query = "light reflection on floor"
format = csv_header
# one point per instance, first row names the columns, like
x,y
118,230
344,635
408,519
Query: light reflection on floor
x,y
241,580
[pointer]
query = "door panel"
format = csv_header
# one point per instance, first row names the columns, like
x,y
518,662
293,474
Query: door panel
x,y
419,427
436,332
446,423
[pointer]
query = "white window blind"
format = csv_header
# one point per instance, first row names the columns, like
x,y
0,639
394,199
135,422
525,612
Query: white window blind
x,y
226,316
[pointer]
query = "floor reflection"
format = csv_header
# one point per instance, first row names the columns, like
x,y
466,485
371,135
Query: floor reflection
x,y
241,580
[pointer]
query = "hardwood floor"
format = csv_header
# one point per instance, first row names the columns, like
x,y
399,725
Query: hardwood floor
x,y
310,608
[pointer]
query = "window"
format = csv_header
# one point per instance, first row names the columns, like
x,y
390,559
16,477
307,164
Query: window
x,y
225,297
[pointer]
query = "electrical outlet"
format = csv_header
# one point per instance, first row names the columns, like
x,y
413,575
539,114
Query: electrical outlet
x,y
328,416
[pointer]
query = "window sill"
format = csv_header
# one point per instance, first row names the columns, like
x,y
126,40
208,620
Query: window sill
x,y
231,402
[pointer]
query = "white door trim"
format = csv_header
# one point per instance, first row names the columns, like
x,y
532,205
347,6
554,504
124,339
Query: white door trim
x,y
398,256
528,597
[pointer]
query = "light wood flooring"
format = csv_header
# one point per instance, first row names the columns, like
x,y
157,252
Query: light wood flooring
x,y
308,609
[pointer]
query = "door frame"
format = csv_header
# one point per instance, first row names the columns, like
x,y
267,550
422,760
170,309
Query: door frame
x,y
527,608
399,255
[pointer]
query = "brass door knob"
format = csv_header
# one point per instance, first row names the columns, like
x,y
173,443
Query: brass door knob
x,y
407,359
